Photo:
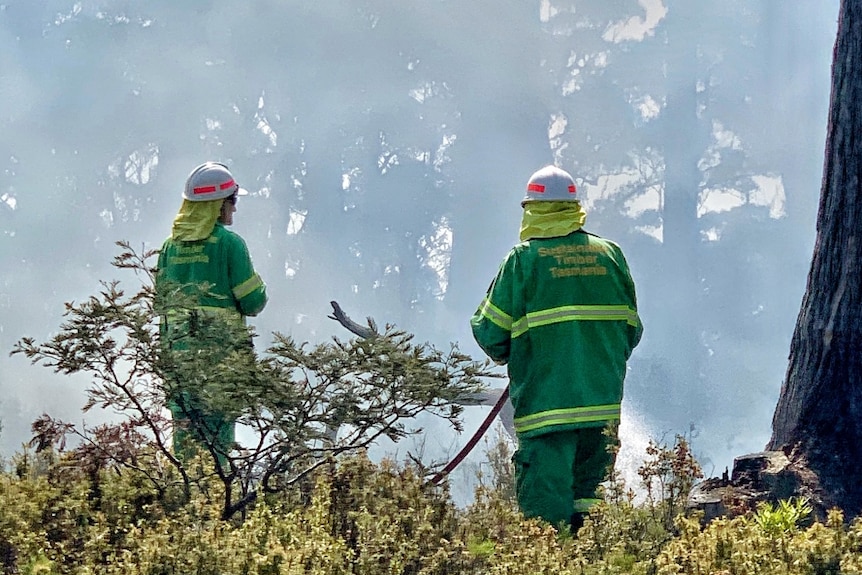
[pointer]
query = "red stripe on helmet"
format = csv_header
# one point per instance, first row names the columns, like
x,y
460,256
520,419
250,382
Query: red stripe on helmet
x,y
204,190
226,185
535,188
572,189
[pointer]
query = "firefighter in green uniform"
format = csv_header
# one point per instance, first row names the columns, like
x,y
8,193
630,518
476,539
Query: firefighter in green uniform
x,y
562,314
205,278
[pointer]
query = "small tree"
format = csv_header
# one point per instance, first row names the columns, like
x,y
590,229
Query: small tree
x,y
307,405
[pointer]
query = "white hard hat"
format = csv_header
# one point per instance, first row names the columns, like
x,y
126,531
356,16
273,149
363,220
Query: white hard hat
x,y
550,184
211,181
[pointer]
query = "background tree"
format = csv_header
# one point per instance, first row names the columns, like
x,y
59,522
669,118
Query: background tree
x,y
819,411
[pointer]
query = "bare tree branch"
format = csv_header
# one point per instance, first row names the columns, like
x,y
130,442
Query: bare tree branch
x,y
350,325
485,397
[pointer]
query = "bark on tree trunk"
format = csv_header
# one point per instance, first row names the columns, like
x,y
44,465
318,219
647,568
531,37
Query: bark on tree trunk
x,y
819,411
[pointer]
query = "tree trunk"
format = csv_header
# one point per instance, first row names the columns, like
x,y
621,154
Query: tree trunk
x,y
819,411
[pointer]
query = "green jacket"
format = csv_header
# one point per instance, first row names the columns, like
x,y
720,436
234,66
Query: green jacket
x,y
221,265
562,313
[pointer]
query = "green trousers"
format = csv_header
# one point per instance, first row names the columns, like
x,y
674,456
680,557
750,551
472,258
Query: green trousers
x,y
209,428
189,335
557,475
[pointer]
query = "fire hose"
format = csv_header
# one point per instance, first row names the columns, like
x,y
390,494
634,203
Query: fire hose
x,y
438,477
371,331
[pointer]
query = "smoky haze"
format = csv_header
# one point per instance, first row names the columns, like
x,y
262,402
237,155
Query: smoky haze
x,y
385,146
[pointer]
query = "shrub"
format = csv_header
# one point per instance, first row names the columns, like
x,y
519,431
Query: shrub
x,y
295,397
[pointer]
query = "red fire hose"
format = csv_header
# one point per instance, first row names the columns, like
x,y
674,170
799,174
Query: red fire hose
x,y
473,440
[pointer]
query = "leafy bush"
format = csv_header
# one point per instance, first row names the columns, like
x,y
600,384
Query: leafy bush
x,y
360,517
295,397
782,518
306,499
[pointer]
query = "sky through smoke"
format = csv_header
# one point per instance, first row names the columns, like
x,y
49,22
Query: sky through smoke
x,y
385,145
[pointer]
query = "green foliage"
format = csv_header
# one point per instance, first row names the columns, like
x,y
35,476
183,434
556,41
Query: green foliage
x,y
783,517
308,405
305,498
741,546
668,474
360,517
501,471
626,536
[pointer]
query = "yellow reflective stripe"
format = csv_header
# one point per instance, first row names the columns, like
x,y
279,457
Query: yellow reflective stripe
x,y
175,319
583,312
226,312
247,286
520,327
575,313
179,315
567,416
495,314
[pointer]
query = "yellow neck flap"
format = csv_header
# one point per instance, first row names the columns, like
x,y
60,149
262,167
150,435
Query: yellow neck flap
x,y
195,220
551,219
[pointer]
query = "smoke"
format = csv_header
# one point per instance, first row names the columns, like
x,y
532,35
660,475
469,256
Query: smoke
x,y
379,121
